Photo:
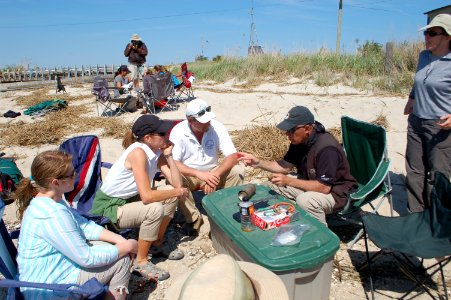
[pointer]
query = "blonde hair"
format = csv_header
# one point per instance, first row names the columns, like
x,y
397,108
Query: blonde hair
x,y
46,166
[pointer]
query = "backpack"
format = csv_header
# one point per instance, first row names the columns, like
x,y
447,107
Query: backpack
x,y
10,176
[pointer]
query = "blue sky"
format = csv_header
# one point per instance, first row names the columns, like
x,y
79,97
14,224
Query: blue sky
x,y
89,32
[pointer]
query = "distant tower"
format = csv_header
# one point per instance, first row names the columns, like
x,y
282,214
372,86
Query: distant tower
x,y
254,48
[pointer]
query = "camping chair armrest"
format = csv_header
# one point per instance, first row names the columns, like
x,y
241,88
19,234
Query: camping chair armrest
x,y
374,182
106,165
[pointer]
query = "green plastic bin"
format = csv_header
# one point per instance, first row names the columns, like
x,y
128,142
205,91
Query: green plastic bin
x,y
306,269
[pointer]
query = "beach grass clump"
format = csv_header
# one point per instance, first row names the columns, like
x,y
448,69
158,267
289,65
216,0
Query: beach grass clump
x,y
55,126
368,69
44,94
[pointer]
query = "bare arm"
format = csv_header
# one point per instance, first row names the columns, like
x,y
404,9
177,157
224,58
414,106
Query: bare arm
x,y
279,166
168,166
305,185
137,161
123,245
408,109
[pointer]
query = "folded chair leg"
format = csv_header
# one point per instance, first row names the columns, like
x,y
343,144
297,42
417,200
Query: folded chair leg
x,y
405,269
356,238
369,263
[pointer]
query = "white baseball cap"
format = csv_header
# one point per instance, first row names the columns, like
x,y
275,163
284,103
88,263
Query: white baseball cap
x,y
200,110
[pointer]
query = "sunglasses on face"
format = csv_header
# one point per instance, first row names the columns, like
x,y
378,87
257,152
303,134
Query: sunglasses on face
x,y
159,134
72,176
432,33
293,130
202,112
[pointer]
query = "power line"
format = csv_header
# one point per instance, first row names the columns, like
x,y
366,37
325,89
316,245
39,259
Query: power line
x,y
135,19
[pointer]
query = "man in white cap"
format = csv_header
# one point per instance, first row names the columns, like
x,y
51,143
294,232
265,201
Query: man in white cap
x,y
136,51
197,142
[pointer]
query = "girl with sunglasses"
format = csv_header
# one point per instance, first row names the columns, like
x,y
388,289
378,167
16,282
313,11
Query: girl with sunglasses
x,y
429,109
128,199
52,242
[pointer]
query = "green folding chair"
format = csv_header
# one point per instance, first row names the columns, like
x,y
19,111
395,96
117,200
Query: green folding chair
x,y
366,151
425,234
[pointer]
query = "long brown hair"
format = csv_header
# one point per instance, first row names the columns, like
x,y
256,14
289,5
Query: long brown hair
x,y
46,166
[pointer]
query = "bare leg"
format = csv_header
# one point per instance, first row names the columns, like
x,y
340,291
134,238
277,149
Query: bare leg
x,y
161,232
143,250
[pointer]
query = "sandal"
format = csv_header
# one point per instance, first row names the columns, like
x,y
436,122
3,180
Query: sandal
x,y
164,251
150,271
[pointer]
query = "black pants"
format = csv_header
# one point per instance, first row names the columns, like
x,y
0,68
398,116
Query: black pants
x,y
428,151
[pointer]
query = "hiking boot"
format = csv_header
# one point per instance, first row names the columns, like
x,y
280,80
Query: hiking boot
x,y
193,229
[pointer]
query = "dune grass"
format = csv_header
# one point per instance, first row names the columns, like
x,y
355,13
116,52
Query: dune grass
x,y
366,70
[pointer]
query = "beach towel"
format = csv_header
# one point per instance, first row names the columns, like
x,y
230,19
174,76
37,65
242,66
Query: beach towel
x,y
42,108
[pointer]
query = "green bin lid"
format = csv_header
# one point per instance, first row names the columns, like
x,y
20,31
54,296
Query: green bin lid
x,y
316,245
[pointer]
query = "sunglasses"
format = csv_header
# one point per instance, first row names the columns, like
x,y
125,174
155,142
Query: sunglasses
x,y
293,130
158,134
202,112
432,33
70,176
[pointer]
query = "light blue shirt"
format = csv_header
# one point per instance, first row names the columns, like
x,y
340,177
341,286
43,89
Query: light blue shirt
x,y
432,86
53,247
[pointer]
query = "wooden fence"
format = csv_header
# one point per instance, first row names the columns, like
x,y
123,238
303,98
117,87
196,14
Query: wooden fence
x,y
44,73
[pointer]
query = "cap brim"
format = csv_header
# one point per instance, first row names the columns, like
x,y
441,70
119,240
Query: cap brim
x,y
207,117
165,126
425,27
285,125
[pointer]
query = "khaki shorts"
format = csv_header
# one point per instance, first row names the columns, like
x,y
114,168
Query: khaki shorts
x,y
136,70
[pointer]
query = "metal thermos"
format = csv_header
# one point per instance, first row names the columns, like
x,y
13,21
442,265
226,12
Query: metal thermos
x,y
246,207
247,192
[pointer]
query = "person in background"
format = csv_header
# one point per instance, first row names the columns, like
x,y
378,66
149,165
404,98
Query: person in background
x,y
136,51
53,246
120,80
127,198
197,143
323,180
429,109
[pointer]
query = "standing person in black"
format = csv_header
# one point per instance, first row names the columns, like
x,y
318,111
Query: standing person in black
x,y
136,51
323,179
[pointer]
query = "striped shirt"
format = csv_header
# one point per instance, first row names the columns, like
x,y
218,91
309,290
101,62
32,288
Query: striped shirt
x,y
53,247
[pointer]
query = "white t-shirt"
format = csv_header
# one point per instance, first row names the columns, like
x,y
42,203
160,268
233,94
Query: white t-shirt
x,y
120,182
201,156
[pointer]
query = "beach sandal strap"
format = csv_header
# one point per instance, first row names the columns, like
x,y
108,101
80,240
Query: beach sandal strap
x,y
151,272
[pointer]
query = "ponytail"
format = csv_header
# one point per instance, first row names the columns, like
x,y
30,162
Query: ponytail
x,y
23,195
128,139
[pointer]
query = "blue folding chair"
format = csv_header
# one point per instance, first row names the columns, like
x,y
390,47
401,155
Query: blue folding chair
x,y
92,289
87,162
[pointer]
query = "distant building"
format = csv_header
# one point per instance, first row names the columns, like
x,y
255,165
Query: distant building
x,y
253,50
442,10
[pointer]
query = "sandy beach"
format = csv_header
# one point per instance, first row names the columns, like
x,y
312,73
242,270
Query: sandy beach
x,y
238,107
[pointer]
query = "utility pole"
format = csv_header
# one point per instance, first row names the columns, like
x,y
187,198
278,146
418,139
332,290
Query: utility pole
x,y
340,9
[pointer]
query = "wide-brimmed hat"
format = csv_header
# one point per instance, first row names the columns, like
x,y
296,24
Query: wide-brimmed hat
x,y
148,124
441,20
298,115
223,278
135,37
200,110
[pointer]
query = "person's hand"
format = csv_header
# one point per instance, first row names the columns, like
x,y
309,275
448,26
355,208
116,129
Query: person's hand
x,y
279,179
208,189
182,193
445,122
210,178
132,246
167,148
248,159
